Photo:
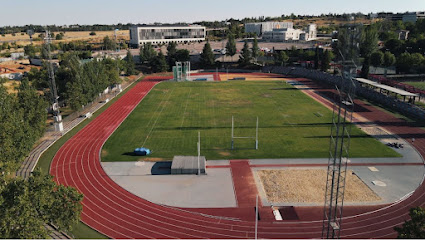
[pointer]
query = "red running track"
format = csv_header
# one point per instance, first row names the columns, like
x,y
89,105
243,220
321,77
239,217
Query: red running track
x,y
117,213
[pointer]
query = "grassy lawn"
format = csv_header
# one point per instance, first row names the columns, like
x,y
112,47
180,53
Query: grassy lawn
x,y
292,125
80,230
420,85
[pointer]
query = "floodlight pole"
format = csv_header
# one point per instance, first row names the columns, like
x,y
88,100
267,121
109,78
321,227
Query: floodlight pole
x,y
256,136
256,217
199,153
232,131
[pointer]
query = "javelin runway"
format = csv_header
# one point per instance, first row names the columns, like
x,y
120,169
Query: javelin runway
x,y
113,211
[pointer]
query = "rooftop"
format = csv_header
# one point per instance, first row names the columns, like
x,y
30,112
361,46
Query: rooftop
x,y
388,88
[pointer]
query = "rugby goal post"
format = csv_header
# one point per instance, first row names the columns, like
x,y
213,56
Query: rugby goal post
x,y
244,137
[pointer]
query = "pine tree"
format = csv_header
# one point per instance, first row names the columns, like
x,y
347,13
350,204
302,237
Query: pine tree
x,y
231,46
245,56
171,54
326,60
369,43
207,56
130,66
159,63
316,58
255,49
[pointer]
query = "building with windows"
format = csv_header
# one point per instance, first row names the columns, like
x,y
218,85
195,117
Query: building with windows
x,y
405,17
159,34
291,34
262,27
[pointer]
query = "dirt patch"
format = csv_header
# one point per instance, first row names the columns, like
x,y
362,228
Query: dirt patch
x,y
267,95
225,154
104,153
308,186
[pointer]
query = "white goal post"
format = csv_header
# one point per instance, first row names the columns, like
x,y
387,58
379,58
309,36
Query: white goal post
x,y
244,137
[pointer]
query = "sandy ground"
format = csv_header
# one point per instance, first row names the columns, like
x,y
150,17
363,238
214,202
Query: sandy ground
x,y
69,36
11,86
309,185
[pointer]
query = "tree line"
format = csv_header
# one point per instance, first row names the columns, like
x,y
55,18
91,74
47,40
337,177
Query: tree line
x,y
26,205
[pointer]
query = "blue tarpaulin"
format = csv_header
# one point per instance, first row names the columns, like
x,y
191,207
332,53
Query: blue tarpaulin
x,y
142,151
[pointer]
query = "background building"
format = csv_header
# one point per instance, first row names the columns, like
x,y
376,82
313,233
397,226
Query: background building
x,y
260,28
405,17
288,34
159,34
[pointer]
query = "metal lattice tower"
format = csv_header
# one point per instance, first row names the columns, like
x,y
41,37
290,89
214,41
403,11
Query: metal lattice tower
x,y
339,145
52,83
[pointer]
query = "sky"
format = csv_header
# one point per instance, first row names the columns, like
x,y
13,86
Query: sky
x,y
66,12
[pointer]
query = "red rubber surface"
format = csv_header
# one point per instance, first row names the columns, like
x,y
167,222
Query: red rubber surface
x,y
117,213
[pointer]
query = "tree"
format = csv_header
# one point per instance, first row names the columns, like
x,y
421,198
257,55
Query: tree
x,y
207,56
182,55
316,58
130,66
281,58
245,57
377,59
59,36
171,54
368,44
109,44
415,227
395,46
159,63
147,53
92,33
22,122
231,46
30,50
389,60
404,63
255,50
27,205
326,60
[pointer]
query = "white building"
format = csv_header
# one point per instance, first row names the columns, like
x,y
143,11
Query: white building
x,y
312,32
158,34
288,34
262,27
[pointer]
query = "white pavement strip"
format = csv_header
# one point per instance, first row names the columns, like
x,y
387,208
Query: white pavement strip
x,y
379,183
373,169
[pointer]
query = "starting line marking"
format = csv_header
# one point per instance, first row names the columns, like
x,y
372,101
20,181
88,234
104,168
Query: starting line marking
x,y
373,169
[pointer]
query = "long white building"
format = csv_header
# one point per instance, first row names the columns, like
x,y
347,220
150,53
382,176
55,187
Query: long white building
x,y
159,34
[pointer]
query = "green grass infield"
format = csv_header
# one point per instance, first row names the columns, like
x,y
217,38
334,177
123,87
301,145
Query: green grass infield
x,y
291,124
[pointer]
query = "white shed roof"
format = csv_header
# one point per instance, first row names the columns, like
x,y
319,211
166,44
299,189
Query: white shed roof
x,y
386,87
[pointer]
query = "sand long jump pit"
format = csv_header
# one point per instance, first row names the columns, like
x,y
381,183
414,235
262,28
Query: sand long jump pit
x,y
307,187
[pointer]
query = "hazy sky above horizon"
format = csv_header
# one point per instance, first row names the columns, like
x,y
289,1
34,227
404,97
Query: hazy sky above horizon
x,y
60,12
